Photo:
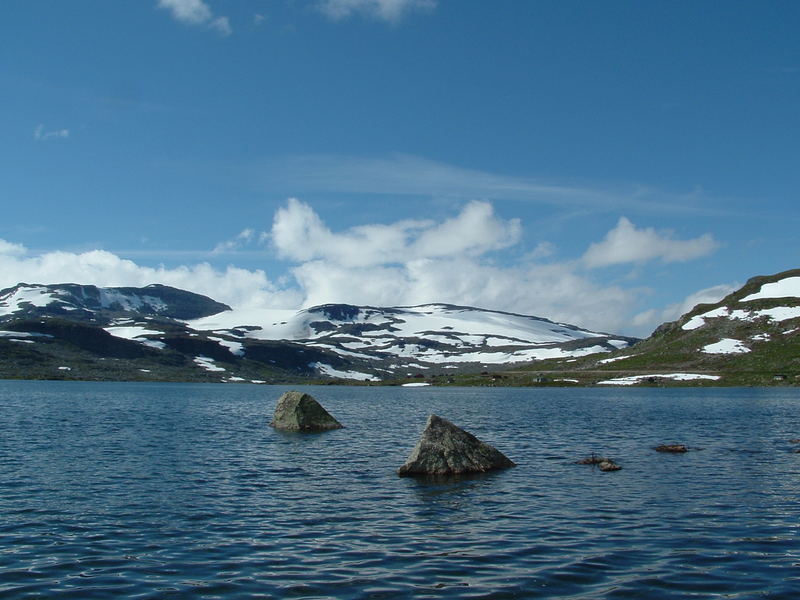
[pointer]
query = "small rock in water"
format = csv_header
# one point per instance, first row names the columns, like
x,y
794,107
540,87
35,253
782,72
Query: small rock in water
x,y
297,411
671,448
608,465
444,449
601,462
794,441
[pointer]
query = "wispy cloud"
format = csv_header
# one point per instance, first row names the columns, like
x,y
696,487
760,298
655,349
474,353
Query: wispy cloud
x,y
196,13
385,10
40,135
245,237
416,176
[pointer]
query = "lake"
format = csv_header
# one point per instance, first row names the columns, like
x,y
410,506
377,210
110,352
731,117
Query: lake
x,y
123,490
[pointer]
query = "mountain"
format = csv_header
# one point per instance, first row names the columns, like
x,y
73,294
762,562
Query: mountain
x,y
750,337
163,333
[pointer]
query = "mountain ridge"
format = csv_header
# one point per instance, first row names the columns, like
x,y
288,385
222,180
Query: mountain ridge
x,y
184,330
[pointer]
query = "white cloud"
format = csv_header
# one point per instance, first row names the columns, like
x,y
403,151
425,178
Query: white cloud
x,y
196,12
299,234
235,286
386,10
40,134
553,291
246,236
222,25
627,244
400,263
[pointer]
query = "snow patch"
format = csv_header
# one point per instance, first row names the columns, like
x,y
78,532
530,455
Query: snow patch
x,y
207,364
23,334
131,332
779,313
235,348
605,361
785,288
634,379
416,384
34,295
153,344
331,372
726,346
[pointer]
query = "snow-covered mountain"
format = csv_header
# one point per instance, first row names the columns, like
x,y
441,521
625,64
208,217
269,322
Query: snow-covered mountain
x,y
416,337
189,331
85,301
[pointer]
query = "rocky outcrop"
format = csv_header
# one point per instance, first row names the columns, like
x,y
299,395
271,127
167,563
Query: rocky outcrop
x,y
444,449
297,411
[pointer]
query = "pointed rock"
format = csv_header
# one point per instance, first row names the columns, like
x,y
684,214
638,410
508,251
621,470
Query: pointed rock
x,y
444,449
296,411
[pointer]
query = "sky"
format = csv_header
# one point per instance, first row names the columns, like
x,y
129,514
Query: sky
x,y
605,164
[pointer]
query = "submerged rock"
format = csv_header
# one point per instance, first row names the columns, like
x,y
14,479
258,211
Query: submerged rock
x,y
608,465
676,448
601,462
444,449
297,411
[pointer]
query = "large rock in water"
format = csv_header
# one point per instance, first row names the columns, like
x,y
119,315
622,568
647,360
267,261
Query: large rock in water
x,y
445,449
296,411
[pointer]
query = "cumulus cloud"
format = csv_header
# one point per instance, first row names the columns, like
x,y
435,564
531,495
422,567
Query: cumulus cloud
x,y
196,12
299,234
234,286
407,262
416,262
39,134
556,292
627,244
386,10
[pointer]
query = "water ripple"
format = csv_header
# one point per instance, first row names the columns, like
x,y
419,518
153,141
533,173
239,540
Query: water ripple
x,y
182,491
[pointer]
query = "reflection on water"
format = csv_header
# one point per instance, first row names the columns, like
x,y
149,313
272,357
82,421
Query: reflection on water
x,y
160,491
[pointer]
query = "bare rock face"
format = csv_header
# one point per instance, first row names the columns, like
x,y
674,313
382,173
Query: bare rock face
x,y
444,449
296,411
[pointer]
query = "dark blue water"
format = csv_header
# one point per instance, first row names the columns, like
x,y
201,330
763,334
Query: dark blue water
x,y
183,491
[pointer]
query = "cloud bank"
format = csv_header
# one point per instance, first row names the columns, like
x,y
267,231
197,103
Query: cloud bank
x,y
408,262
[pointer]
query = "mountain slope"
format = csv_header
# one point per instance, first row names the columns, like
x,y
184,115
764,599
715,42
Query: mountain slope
x,y
162,332
750,337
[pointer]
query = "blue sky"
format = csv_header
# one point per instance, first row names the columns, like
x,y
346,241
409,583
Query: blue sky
x,y
601,163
